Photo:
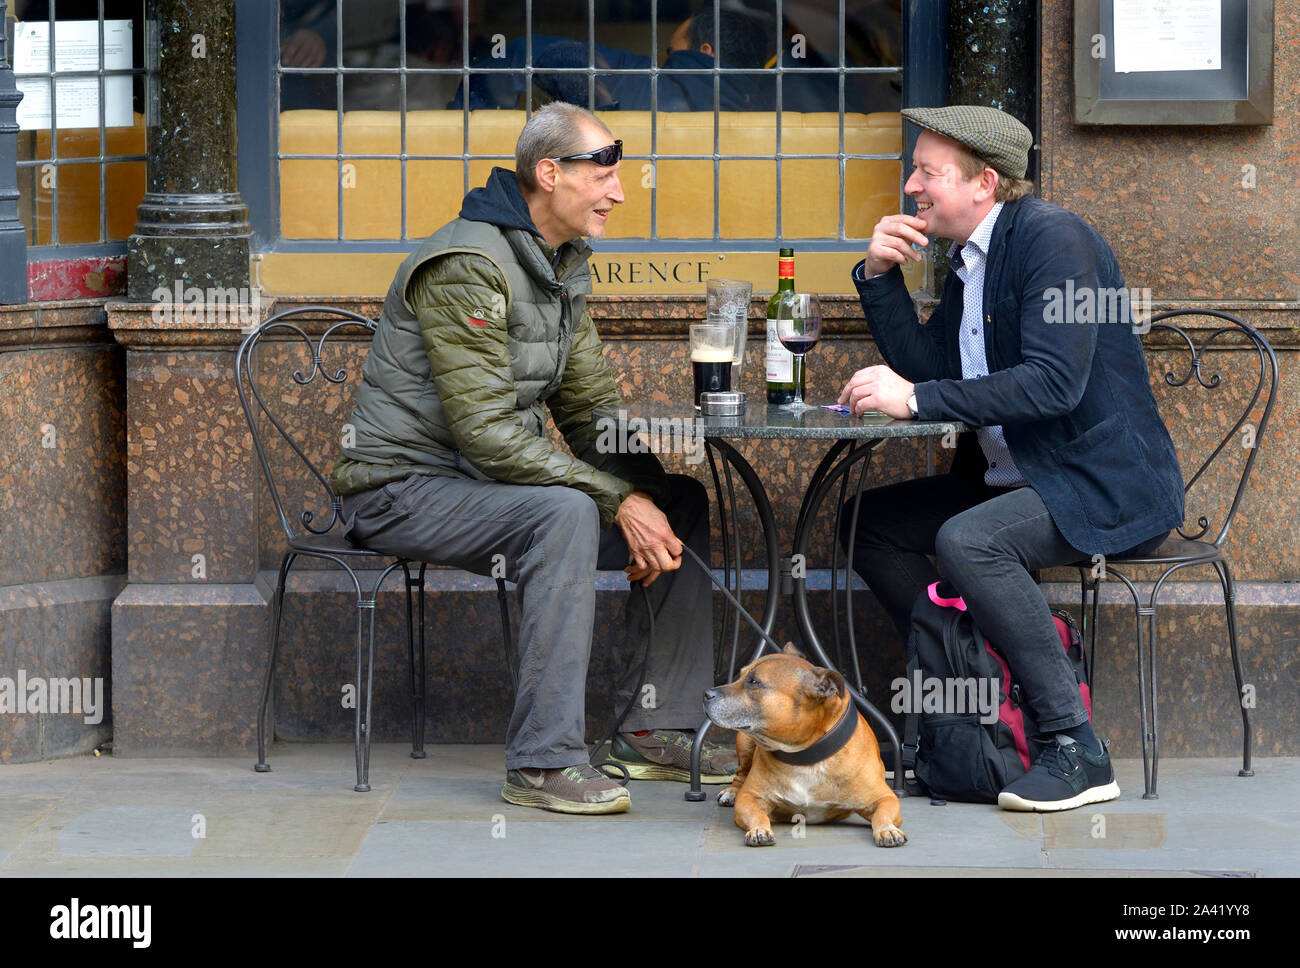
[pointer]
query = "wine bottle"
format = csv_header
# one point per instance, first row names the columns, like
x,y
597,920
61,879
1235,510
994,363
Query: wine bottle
x,y
780,361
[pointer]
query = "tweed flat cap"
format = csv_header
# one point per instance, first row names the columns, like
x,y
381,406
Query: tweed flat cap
x,y
992,135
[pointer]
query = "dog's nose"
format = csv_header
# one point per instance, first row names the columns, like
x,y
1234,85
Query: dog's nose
x,y
710,695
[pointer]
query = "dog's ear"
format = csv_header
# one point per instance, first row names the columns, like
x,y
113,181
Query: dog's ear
x,y
821,684
790,649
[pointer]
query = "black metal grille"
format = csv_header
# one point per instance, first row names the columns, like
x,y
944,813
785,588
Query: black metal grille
x,y
340,72
60,203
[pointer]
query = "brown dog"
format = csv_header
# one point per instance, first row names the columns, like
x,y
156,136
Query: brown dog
x,y
785,708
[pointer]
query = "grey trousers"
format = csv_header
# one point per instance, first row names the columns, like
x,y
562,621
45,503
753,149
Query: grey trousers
x,y
550,543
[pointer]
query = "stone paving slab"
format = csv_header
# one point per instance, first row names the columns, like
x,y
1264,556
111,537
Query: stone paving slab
x,y
442,815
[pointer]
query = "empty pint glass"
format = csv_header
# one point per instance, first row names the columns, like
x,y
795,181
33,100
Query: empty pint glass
x,y
712,348
727,301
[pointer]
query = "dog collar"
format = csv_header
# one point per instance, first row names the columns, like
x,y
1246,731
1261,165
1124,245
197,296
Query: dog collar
x,y
831,743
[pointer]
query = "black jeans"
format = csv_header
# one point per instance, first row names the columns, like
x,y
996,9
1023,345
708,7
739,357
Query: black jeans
x,y
986,540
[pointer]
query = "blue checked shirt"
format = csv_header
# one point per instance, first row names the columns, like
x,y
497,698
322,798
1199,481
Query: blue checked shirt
x,y
969,264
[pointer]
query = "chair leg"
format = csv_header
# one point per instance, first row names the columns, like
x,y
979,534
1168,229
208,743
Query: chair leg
x,y
512,661
420,672
1139,614
1229,602
416,679
277,610
1149,614
695,794
1089,636
363,723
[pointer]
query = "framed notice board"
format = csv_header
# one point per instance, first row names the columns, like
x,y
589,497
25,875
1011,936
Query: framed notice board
x,y
1173,61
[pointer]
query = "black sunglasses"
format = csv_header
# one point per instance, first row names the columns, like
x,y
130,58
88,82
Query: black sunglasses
x,y
606,156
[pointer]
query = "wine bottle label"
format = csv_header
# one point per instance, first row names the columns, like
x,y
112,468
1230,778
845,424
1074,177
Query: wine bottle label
x,y
780,361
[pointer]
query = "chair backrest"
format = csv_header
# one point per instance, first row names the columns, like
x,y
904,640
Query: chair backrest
x,y
259,391
1236,337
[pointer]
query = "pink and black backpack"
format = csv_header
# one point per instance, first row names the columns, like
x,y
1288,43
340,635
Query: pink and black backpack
x,y
954,675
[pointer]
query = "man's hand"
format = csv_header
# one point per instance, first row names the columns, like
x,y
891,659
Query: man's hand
x,y
891,243
303,48
650,539
877,388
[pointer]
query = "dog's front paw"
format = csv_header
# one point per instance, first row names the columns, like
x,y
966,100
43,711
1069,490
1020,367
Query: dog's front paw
x,y
727,796
889,836
760,837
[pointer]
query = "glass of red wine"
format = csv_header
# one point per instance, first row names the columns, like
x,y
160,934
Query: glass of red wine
x,y
799,334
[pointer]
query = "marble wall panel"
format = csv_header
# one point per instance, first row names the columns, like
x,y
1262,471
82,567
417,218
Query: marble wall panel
x,y
1174,202
191,470
62,468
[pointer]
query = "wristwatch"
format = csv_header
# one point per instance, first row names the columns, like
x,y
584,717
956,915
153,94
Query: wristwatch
x,y
911,405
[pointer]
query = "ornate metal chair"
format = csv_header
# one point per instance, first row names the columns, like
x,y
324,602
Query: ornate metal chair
x,y
327,541
1187,547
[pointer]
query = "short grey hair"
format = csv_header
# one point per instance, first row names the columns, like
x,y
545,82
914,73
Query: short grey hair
x,y
553,131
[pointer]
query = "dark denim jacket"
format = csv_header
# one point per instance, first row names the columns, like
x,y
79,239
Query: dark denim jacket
x,y
1067,379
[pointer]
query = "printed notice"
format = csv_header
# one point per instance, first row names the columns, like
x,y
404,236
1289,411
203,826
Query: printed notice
x,y
1168,35
76,49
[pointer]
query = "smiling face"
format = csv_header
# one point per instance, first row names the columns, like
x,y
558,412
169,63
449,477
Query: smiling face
x,y
951,205
575,198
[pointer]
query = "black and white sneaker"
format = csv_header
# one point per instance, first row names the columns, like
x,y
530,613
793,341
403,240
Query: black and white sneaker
x,y
1065,776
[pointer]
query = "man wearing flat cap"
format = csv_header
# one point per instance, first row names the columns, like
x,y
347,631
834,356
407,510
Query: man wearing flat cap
x,y
1069,457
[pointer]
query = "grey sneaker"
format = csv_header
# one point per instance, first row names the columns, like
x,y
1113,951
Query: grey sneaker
x,y
665,754
570,789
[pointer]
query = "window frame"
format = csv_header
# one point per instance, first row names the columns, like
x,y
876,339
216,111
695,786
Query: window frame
x,y
924,76
42,252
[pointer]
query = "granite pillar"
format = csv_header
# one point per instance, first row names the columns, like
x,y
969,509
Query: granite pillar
x,y
992,57
189,630
192,228
992,61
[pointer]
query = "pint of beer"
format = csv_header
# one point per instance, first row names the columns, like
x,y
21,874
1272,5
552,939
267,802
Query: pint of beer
x,y
712,349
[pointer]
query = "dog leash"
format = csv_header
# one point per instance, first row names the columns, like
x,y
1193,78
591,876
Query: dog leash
x,y
740,609
645,661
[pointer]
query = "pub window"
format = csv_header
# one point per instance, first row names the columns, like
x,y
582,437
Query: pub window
x,y
81,139
390,110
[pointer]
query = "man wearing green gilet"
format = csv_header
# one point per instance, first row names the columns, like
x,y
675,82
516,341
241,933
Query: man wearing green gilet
x,y
485,323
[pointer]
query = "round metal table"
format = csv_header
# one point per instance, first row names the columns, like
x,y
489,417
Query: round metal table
x,y
854,440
